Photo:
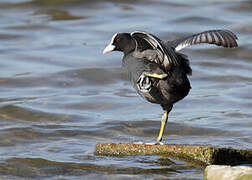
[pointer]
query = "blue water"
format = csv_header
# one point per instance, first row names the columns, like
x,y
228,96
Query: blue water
x,y
60,95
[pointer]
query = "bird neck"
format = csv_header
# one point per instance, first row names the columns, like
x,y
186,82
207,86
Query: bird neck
x,y
130,46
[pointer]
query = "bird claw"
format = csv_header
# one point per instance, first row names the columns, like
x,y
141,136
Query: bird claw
x,y
159,143
153,143
144,83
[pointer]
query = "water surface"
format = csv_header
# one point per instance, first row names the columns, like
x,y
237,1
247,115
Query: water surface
x,y
60,95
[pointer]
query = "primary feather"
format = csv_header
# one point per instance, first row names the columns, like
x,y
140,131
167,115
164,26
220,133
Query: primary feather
x,y
223,38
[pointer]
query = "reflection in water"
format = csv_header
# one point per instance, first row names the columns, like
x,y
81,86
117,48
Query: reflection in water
x,y
60,95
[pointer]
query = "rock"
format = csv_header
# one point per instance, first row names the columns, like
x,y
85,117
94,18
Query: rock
x,y
221,172
203,155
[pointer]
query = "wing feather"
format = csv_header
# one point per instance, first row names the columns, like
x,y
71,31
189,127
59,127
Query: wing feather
x,y
223,38
166,55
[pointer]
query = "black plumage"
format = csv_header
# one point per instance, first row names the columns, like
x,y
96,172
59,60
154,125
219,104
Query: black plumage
x,y
157,70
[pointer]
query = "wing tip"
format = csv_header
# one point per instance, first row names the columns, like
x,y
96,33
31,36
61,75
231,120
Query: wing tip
x,y
232,37
231,33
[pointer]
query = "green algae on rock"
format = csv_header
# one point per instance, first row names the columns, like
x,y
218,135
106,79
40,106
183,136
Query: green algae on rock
x,y
205,155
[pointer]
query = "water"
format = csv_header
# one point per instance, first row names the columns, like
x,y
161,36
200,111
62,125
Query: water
x,y
60,95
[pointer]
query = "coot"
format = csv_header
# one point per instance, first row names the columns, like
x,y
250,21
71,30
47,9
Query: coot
x,y
157,69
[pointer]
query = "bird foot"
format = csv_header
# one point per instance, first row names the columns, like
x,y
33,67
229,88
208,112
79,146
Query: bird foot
x,y
159,143
151,143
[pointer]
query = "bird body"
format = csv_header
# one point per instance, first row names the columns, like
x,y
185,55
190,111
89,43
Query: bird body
x,y
165,91
157,70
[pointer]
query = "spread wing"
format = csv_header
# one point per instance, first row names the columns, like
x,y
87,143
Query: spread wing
x,y
223,38
165,54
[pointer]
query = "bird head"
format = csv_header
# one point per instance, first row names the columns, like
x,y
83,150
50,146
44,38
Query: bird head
x,y
120,42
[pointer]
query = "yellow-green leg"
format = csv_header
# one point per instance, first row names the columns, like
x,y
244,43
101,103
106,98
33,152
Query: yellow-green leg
x,y
155,75
163,123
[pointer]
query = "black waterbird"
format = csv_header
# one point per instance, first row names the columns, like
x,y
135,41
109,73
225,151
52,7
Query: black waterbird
x,y
157,69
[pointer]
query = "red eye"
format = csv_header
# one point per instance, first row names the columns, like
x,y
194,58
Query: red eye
x,y
118,40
